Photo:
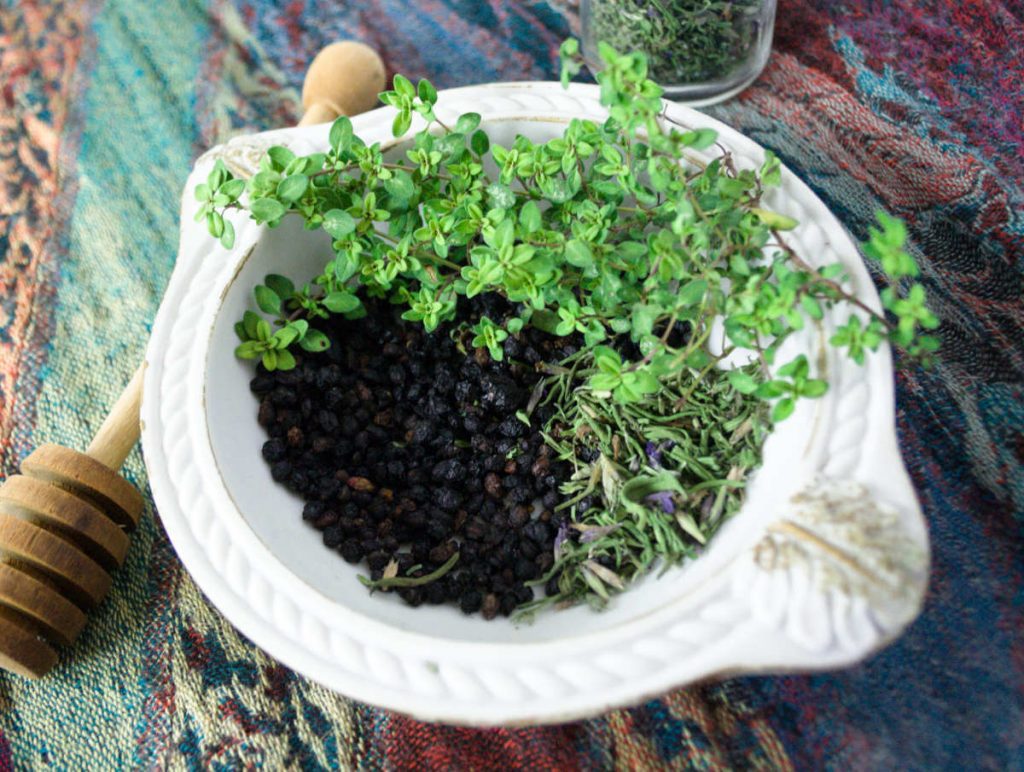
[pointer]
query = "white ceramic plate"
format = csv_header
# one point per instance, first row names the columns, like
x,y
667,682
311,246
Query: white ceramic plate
x,y
826,562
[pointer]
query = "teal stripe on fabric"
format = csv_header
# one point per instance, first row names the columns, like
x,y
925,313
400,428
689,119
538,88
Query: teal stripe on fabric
x,y
136,150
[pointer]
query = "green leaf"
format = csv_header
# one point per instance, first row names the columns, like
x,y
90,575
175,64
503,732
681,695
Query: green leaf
x,y
625,393
467,123
814,388
270,360
341,133
267,300
267,209
426,91
798,367
743,382
770,390
250,321
280,157
314,340
341,302
358,313
339,223
501,195
285,337
594,333
296,166
644,381
504,234
578,253
402,122
217,175
783,409
774,220
292,188
232,189
603,381
285,360
480,143
771,172
250,349
281,285
642,320
403,86
227,237
400,185
530,217
692,293
700,139
811,306
607,360
215,224
545,320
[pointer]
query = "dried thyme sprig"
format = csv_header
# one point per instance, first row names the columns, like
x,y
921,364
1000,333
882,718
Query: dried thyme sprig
x,y
653,479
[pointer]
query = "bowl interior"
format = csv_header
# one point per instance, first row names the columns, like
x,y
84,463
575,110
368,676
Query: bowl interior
x,y
274,514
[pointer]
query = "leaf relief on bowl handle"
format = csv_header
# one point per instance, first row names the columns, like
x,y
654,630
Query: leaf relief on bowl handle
x,y
242,154
837,570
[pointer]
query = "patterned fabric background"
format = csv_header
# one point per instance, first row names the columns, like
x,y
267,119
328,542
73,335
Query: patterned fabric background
x,y
908,105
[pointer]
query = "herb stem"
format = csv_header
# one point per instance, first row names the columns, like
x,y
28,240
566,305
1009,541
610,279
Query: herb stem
x,y
411,581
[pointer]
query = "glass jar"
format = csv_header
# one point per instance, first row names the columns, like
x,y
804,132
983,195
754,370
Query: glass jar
x,y
699,51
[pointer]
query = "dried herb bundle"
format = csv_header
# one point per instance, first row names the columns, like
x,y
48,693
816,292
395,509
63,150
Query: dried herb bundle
x,y
652,481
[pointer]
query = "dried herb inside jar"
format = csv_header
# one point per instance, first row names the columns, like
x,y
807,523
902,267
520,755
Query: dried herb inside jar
x,y
685,41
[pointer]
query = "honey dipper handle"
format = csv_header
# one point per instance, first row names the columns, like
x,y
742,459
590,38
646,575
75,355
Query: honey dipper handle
x,y
318,113
120,430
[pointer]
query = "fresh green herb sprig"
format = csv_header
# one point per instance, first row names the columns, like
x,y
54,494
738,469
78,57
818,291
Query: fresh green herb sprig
x,y
685,41
220,191
626,229
490,336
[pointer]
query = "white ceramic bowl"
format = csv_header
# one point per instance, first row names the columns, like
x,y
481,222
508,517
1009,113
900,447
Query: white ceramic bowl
x,y
826,562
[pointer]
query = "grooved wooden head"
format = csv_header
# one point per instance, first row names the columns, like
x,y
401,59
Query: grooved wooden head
x,y
88,479
80,578
66,515
21,650
343,79
59,619
62,530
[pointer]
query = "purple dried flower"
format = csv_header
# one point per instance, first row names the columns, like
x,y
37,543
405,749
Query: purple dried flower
x,y
662,499
560,538
594,532
653,454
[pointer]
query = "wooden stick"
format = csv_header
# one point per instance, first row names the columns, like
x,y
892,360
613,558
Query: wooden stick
x,y
318,113
120,430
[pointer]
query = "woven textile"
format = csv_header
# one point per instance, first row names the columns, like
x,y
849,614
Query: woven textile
x,y
911,106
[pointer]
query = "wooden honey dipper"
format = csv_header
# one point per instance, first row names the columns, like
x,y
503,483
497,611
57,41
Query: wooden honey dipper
x,y
64,521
